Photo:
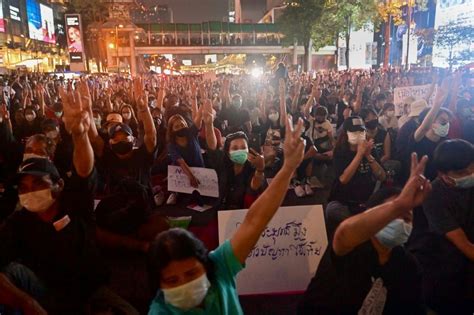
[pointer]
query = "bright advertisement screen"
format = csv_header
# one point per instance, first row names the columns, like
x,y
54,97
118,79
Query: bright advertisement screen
x,y
2,20
74,37
460,12
40,21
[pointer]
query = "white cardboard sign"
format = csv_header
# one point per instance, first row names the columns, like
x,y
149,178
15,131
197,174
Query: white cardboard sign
x,y
416,91
288,253
178,181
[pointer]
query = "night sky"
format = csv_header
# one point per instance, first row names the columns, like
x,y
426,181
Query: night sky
x,y
196,11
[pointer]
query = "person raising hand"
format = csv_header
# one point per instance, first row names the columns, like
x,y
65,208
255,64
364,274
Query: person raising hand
x,y
188,278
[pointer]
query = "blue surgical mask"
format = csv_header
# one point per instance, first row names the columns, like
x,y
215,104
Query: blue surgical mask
x,y
465,182
396,233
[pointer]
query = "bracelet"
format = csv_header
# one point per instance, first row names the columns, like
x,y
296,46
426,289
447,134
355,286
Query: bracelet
x,y
260,171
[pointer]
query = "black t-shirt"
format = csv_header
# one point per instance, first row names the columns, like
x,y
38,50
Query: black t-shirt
x,y
63,156
424,147
232,188
402,148
361,185
342,283
379,142
136,168
66,261
448,274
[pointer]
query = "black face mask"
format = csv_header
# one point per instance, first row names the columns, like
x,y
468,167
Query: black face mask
x,y
122,147
372,124
182,132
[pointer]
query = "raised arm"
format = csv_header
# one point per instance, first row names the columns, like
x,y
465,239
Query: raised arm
x,y
144,115
440,97
360,228
225,93
282,102
208,126
296,97
77,121
265,207
315,93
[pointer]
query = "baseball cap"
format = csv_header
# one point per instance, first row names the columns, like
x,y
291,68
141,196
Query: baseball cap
x,y
114,117
417,107
38,167
120,128
354,124
49,123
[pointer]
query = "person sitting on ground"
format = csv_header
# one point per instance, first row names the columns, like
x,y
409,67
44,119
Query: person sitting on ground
x,y
446,249
356,169
366,269
240,170
192,281
57,269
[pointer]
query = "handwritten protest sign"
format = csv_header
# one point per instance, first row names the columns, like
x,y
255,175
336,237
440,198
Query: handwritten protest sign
x,y
417,92
179,182
287,254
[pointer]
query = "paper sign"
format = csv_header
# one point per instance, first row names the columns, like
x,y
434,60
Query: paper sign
x,y
178,181
288,253
417,92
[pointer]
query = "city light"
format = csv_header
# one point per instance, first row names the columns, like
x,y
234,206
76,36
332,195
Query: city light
x,y
257,72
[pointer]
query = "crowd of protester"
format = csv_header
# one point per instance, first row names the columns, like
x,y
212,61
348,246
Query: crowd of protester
x,y
399,218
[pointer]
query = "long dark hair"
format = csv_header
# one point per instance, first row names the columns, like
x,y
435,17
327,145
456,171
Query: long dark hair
x,y
175,244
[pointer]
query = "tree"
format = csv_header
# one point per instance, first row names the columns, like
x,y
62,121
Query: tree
x,y
343,16
297,22
391,11
451,37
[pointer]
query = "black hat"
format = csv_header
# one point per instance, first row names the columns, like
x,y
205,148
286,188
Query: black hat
x,y
38,167
51,123
353,124
120,127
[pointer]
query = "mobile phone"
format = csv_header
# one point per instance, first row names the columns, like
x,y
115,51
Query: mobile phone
x,y
255,143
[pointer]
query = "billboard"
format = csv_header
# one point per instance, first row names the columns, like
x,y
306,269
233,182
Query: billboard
x,y
74,38
460,12
74,41
2,20
14,9
40,21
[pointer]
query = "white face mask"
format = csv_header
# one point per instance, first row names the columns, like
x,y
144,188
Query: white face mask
x,y
188,295
355,138
97,122
28,156
274,117
37,201
53,134
441,130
